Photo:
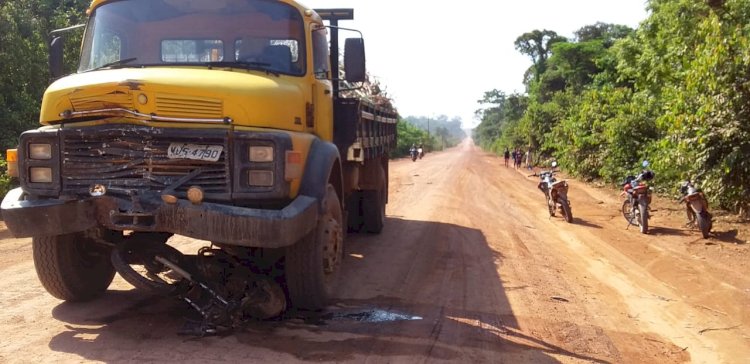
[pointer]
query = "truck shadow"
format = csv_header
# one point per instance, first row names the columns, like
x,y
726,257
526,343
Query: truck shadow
x,y
420,289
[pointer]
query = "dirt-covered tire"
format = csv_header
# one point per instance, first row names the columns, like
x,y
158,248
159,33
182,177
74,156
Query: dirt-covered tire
x,y
71,267
373,207
643,212
312,266
373,210
704,224
567,214
551,207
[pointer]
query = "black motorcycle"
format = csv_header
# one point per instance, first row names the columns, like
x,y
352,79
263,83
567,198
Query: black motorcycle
x,y
636,208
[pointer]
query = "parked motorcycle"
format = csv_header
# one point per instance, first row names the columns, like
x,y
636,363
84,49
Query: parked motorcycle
x,y
696,206
635,208
556,193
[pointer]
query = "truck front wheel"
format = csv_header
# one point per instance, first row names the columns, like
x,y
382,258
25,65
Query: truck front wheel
x,y
313,265
71,267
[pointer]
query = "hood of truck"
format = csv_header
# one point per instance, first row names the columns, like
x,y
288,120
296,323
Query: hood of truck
x,y
248,98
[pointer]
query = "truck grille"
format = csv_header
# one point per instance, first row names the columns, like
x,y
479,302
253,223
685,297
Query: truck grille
x,y
135,158
187,107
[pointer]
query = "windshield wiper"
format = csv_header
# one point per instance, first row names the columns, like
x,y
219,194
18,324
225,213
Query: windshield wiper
x,y
256,66
117,63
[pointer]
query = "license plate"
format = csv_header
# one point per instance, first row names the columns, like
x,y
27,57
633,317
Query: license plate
x,y
195,151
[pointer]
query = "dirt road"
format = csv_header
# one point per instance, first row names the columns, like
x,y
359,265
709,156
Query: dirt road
x,y
469,268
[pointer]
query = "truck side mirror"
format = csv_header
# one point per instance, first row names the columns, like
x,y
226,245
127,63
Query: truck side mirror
x,y
354,60
56,57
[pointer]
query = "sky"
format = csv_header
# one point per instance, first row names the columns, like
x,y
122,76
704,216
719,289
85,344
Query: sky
x,y
439,57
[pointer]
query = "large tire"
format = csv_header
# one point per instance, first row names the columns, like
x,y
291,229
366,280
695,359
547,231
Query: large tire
x,y
567,214
354,212
643,212
704,224
71,267
313,265
373,207
373,210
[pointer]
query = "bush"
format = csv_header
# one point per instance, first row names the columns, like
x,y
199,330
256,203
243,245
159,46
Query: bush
x,y
6,182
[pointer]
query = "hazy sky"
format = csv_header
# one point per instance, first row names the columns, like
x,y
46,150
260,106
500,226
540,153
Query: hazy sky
x,y
436,58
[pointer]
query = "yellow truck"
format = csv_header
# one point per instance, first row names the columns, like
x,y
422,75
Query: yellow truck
x,y
220,120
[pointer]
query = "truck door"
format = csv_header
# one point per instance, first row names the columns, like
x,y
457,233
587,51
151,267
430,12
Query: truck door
x,y
322,87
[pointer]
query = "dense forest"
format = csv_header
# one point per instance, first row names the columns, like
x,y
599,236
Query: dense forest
x,y
675,91
24,29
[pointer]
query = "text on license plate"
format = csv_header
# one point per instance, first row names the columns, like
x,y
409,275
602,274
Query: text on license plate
x,y
194,151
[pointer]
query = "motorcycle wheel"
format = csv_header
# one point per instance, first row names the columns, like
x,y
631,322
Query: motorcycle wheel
x,y
143,271
551,207
643,212
627,212
704,224
691,218
567,214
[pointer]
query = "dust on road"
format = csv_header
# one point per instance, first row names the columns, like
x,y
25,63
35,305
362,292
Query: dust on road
x,y
469,268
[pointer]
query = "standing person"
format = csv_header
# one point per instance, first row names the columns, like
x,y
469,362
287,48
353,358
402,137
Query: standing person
x,y
519,158
515,151
507,156
528,159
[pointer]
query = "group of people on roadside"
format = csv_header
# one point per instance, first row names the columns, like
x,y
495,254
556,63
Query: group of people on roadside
x,y
518,156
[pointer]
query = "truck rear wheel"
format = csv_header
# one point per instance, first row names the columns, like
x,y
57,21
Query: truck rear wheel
x,y
354,212
313,265
373,210
373,207
71,267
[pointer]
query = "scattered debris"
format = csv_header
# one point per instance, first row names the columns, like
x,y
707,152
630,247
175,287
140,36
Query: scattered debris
x,y
683,349
561,299
718,329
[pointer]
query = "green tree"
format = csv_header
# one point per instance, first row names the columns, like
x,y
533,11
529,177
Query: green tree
x,y
537,44
24,29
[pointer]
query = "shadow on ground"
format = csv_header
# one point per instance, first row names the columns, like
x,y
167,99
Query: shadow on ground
x,y
437,283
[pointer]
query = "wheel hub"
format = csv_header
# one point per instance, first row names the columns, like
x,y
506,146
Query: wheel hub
x,y
332,234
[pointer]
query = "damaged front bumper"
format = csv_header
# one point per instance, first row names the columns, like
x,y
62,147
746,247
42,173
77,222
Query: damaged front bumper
x,y
206,221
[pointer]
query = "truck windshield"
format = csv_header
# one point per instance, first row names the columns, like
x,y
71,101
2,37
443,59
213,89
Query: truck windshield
x,y
255,34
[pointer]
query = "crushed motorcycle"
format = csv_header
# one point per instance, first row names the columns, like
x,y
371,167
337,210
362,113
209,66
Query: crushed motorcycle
x,y
227,285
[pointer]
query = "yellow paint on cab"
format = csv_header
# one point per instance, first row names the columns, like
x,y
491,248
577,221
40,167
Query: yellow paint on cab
x,y
249,98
